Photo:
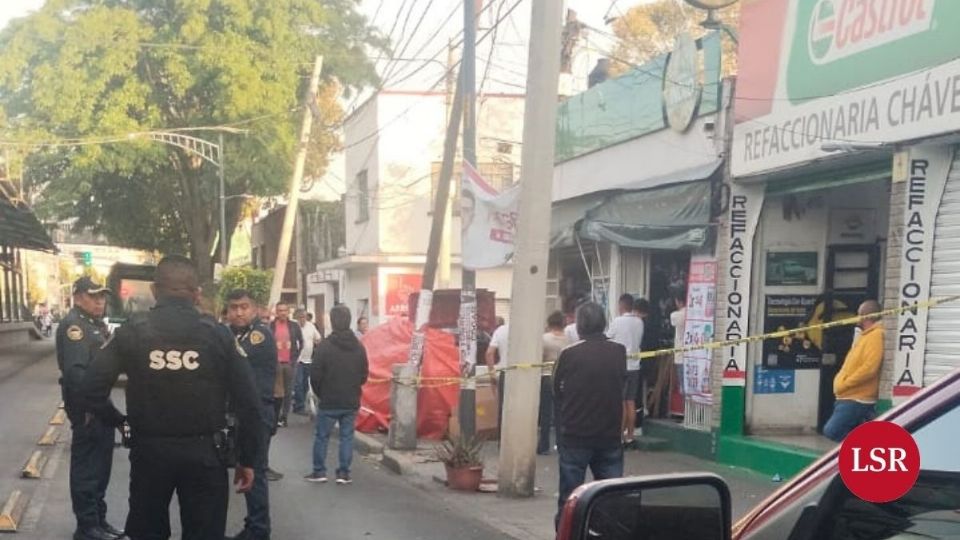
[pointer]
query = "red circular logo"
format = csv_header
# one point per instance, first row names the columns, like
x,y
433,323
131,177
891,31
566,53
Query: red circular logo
x,y
879,462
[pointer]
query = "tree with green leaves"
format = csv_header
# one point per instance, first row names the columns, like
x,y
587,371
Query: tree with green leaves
x,y
89,72
650,29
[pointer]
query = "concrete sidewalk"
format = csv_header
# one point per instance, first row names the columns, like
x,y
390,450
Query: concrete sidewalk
x,y
533,518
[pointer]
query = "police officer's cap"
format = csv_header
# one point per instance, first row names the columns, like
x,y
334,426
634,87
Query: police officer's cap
x,y
88,286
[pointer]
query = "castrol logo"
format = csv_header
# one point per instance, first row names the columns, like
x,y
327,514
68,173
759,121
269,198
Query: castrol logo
x,y
842,28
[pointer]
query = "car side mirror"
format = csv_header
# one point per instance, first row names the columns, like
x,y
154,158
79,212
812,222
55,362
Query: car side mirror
x,y
679,507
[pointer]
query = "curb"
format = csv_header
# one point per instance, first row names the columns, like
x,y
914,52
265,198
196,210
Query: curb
x,y
398,463
366,444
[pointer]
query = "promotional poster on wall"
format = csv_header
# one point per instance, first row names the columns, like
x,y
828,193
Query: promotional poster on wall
x,y
795,351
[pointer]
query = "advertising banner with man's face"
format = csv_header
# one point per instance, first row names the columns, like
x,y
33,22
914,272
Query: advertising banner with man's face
x,y
488,221
816,72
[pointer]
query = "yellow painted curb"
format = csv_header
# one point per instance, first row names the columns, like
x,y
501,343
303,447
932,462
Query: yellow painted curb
x,y
12,511
59,418
49,438
34,466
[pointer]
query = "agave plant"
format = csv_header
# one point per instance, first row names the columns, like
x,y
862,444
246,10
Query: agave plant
x,y
461,451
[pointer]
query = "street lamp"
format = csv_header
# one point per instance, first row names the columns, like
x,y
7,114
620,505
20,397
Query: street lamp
x,y
206,150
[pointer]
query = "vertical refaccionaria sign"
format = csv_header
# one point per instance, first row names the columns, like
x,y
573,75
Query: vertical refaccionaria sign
x,y
746,201
929,167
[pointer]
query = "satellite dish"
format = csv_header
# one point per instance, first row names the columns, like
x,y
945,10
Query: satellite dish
x,y
711,4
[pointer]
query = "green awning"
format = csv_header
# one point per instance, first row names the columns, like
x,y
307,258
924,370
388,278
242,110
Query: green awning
x,y
824,180
20,228
670,217
566,215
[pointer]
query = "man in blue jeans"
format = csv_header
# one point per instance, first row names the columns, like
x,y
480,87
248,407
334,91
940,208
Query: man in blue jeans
x,y
337,375
588,384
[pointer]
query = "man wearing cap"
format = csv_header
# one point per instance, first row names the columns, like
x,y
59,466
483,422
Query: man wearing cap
x,y
80,334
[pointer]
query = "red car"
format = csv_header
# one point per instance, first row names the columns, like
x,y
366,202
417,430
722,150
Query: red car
x,y
815,505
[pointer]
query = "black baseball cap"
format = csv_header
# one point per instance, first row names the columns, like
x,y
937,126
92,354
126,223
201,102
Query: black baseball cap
x,y
88,286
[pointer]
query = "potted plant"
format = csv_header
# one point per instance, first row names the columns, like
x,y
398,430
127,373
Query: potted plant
x,y
463,458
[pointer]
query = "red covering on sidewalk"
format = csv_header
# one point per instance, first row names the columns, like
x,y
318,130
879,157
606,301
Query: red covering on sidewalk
x,y
389,344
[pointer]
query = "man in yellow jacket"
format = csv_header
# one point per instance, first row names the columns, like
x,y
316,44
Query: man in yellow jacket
x,y
858,383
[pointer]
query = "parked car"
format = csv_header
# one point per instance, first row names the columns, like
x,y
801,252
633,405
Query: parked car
x,y
815,505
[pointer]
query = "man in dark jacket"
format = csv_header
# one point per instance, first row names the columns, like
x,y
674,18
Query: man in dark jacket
x,y
588,388
289,338
338,372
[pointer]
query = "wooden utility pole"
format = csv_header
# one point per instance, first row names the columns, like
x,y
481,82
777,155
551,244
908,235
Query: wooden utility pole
x,y
293,202
440,202
518,436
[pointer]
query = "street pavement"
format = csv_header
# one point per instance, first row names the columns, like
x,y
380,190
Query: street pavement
x,y
378,504
532,518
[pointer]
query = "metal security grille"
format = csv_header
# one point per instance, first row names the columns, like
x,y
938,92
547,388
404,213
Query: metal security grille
x,y
943,323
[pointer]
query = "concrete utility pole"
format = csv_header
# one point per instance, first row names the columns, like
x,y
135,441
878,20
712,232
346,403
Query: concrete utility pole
x,y
518,439
290,216
467,322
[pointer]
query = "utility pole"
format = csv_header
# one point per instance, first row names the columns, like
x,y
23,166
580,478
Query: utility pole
x,y
522,387
290,216
403,399
440,201
223,206
443,279
467,321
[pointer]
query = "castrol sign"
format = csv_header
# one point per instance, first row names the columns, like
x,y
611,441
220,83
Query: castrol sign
x,y
841,28
815,73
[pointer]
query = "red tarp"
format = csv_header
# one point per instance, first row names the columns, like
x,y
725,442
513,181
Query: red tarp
x,y
389,344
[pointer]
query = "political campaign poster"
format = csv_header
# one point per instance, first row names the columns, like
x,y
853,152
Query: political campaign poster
x,y
488,221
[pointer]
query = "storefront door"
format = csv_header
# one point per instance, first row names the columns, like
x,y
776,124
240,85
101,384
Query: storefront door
x,y
852,276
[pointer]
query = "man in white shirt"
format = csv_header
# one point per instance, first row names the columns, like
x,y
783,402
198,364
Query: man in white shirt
x,y
311,337
627,330
499,345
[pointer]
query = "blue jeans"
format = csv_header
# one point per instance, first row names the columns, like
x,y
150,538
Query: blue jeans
x,y
847,415
300,384
603,463
326,418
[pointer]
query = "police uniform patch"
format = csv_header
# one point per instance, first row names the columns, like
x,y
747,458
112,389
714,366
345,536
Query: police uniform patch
x,y
74,333
256,337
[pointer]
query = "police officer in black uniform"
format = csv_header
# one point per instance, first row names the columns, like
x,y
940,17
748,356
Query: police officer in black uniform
x,y
79,336
181,368
257,341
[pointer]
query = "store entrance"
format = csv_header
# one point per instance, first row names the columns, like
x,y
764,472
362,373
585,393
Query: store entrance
x,y
852,276
668,280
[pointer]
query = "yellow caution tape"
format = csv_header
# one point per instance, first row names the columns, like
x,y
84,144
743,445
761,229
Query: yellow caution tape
x,y
435,382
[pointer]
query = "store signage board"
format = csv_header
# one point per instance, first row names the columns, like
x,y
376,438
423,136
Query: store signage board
x,y
791,268
839,71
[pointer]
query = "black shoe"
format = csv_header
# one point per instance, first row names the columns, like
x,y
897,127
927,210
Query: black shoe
x,y
282,422
344,478
93,533
110,529
273,475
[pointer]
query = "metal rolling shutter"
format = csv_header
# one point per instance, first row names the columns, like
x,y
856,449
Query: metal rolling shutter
x,y
943,323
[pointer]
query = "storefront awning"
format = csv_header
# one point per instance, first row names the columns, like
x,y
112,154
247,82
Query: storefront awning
x,y
20,228
812,182
671,217
566,215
